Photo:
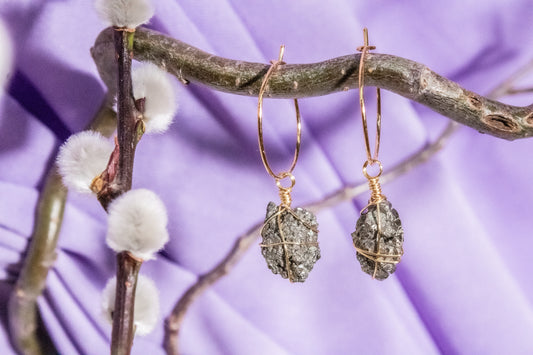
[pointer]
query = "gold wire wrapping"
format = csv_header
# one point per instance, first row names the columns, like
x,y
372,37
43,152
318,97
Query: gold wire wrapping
x,y
281,209
375,189
376,256
285,197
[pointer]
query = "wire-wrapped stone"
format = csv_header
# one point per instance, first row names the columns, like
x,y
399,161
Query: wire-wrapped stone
x,y
379,259
290,241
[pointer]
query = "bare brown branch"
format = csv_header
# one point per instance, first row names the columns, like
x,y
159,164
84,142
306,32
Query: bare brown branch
x,y
127,136
243,243
23,314
402,76
123,330
42,254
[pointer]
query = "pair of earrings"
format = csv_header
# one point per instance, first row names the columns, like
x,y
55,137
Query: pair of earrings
x,y
290,236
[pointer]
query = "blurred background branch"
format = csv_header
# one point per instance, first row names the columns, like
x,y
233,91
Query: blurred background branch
x,y
23,314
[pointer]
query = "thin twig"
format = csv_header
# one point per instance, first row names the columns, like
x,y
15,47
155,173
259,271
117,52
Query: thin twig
x,y
520,91
25,333
123,331
175,320
507,86
128,135
412,80
243,243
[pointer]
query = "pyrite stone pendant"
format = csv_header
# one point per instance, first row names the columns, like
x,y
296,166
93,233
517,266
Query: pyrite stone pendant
x,y
378,239
290,241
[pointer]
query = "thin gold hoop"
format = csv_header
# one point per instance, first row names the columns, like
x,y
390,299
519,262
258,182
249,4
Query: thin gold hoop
x,y
288,173
370,158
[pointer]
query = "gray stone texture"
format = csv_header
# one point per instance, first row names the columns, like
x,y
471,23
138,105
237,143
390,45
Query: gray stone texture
x,y
302,257
365,237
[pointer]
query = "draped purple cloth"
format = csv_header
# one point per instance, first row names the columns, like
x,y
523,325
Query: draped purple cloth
x,y
465,283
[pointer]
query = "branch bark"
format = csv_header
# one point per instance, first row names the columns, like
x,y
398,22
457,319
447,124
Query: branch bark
x,y
402,76
123,331
23,314
128,135
26,335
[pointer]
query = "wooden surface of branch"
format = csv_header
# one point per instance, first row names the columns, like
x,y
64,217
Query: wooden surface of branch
x,y
402,76
23,314
123,330
127,266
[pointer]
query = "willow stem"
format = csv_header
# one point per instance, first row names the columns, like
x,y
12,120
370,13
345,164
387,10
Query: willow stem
x,y
23,314
26,334
123,330
127,136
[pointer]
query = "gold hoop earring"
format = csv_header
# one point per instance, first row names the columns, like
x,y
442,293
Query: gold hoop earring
x,y
378,236
290,236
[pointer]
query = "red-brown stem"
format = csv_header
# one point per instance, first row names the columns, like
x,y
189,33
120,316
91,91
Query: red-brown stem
x,y
127,135
123,328
126,112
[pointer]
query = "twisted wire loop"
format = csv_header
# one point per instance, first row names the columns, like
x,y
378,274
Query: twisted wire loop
x,y
375,188
284,243
285,197
285,191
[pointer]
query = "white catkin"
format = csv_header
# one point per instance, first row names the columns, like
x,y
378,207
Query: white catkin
x,y
6,55
145,310
83,157
137,223
155,86
125,13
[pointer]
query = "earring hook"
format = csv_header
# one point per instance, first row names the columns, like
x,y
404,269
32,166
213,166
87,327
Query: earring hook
x,y
288,173
371,159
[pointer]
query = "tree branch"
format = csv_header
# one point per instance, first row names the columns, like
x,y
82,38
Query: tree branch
x,y
129,132
22,307
23,315
123,330
402,76
243,243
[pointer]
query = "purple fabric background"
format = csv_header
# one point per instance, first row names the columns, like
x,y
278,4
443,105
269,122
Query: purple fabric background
x,y
464,285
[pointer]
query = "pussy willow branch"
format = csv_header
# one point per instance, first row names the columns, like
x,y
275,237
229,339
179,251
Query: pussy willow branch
x,y
405,77
25,333
127,136
22,308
